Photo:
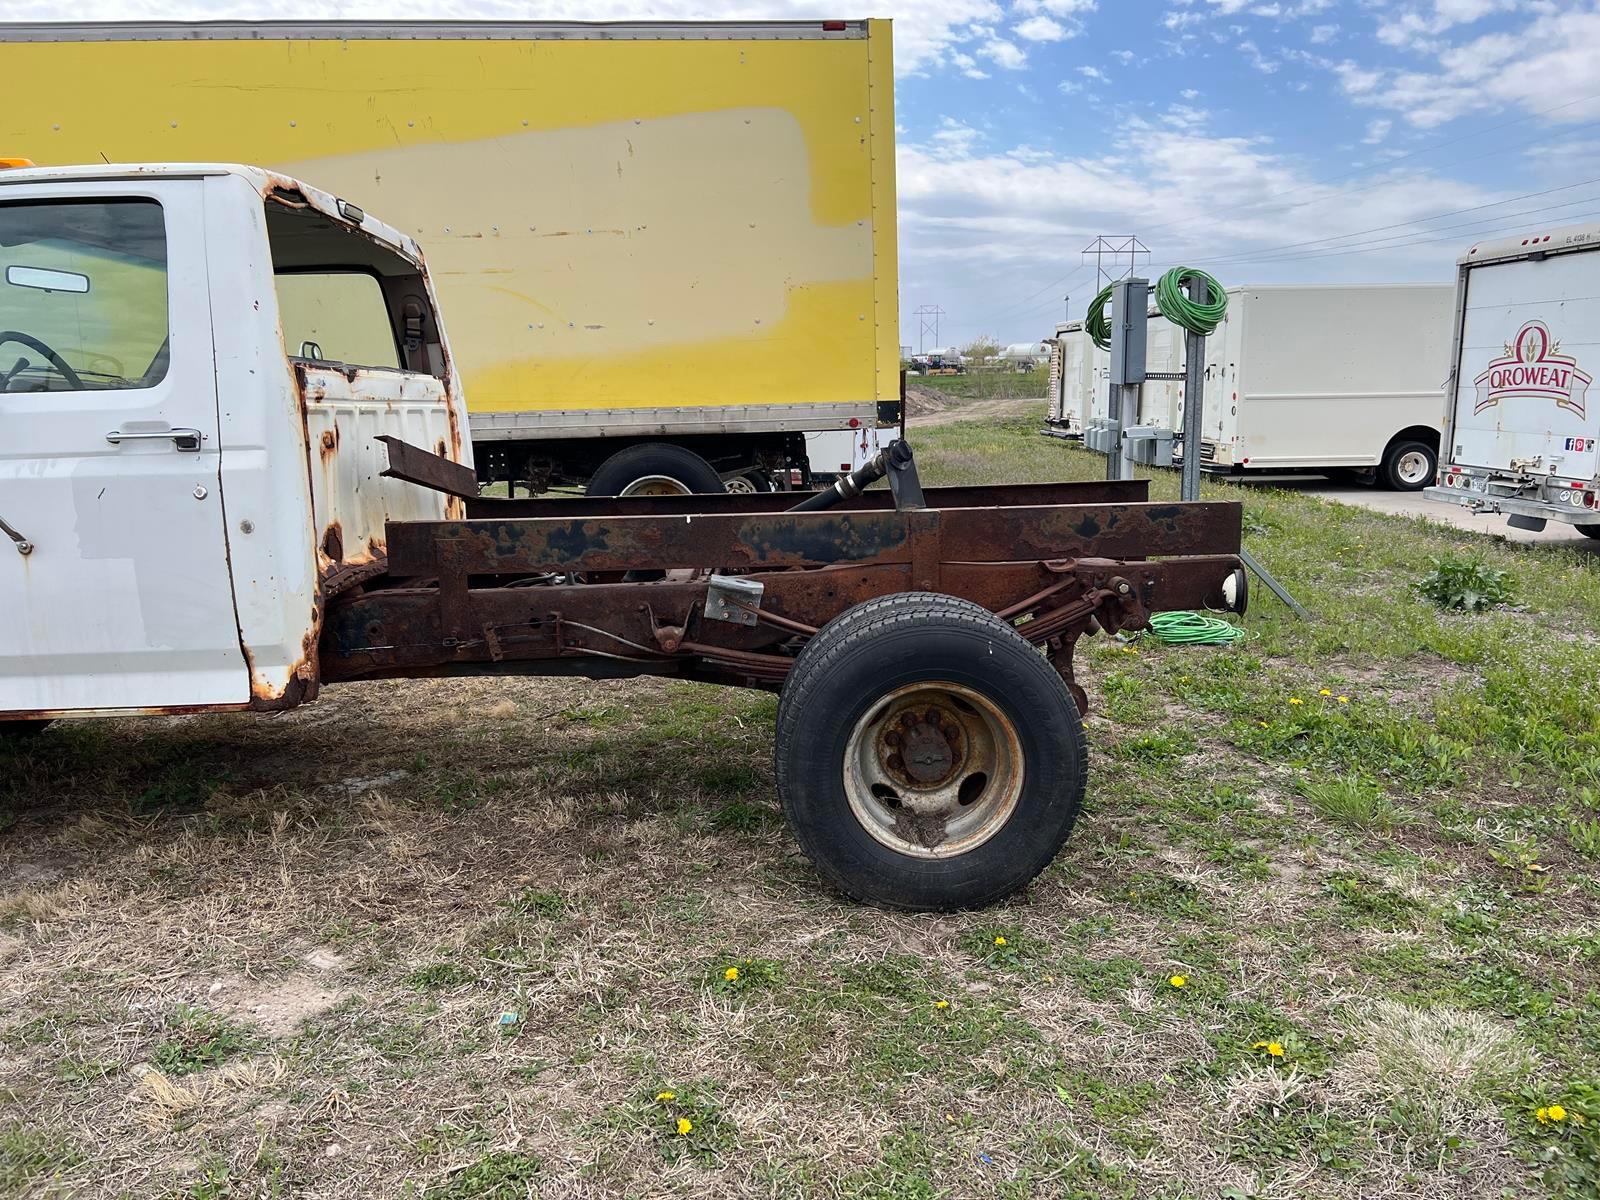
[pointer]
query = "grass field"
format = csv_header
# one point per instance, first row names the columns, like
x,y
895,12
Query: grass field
x,y
986,384
470,939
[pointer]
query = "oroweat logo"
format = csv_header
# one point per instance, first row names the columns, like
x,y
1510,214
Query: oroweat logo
x,y
1533,367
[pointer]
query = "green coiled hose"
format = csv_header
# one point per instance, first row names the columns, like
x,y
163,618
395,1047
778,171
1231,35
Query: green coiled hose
x,y
1193,629
1197,316
1094,321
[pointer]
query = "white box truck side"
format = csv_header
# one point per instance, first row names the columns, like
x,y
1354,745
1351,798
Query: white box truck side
x,y
1522,429
1329,377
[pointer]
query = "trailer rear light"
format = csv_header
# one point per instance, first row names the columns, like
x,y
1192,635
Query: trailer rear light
x,y
1455,470
8,163
855,422
833,27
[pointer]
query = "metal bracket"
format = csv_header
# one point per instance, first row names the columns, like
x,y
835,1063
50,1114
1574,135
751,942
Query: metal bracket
x,y
734,599
904,483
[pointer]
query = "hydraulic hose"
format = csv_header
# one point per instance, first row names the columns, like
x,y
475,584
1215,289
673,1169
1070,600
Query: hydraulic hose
x,y
1197,316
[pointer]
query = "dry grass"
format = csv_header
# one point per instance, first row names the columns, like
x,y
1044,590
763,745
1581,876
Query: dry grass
x,y
257,957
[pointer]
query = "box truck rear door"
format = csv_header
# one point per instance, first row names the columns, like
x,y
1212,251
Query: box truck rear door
x,y
108,454
1530,347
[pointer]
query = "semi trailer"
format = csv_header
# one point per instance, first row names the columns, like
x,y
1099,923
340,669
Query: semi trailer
x,y
202,510
668,247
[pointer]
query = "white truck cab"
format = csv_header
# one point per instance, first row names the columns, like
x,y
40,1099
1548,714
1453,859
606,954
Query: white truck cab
x,y
194,363
1522,428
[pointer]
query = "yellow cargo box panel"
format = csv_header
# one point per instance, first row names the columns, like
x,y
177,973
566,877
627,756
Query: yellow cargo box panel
x,y
633,228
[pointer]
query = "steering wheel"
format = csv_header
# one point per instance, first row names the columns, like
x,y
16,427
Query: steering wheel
x,y
33,343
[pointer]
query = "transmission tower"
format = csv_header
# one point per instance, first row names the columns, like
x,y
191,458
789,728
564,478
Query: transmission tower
x,y
928,317
1115,257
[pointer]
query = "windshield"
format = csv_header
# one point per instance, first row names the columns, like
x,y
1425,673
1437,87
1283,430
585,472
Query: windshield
x,y
83,295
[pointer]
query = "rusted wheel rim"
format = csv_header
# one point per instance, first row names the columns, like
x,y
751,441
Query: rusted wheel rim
x,y
656,485
933,770
741,484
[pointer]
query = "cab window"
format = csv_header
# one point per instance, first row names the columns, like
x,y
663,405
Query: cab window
x,y
83,295
346,297
336,316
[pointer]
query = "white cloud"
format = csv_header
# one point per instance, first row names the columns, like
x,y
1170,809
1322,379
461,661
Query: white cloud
x,y
967,65
1417,28
954,139
1549,63
987,227
1377,131
1042,29
1189,93
1321,35
1258,60
1003,53
1123,56
1060,8
1094,73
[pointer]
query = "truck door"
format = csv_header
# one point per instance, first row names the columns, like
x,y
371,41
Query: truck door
x,y
1529,352
114,578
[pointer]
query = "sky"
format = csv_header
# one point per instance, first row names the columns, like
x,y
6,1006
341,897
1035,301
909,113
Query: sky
x,y
1268,141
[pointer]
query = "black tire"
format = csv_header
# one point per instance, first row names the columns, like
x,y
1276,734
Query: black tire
x,y
658,460
1589,531
1409,466
751,482
848,682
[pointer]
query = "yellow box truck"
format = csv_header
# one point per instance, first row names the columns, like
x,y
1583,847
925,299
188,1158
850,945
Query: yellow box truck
x,y
667,250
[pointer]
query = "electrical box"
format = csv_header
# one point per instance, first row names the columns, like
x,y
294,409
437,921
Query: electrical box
x,y
1130,308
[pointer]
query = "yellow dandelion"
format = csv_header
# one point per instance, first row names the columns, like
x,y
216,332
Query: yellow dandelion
x,y
999,940
1325,692
663,1097
1130,649
941,1004
1537,867
1344,699
1183,679
731,974
1179,981
1557,1113
684,1126
1263,724
1274,1049
1296,700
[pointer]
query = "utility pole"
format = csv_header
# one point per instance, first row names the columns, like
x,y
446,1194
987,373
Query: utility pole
x,y
928,317
1115,256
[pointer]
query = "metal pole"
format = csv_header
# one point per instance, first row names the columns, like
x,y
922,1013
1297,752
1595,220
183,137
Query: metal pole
x,y
1114,465
1194,401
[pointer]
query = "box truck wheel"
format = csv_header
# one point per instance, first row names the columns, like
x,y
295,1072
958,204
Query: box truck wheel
x,y
654,469
751,482
1592,531
928,757
1409,466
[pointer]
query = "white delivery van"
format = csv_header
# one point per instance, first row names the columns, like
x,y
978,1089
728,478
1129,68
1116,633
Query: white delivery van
x,y
1522,429
1326,378
1080,379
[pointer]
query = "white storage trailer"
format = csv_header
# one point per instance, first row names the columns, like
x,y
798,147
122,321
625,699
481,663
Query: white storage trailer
x,y
1298,378
1329,377
1080,379
1522,429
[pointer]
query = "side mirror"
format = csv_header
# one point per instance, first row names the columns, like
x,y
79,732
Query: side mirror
x,y
47,280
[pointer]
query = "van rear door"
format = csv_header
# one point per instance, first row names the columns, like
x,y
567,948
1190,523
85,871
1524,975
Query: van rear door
x,y
109,458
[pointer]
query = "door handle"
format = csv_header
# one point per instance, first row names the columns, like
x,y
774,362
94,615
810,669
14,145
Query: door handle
x,y
185,439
